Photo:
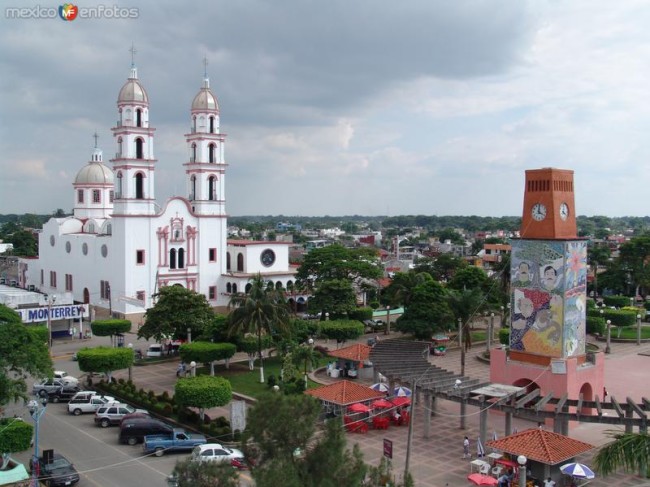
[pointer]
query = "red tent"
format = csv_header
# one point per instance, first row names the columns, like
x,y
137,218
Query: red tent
x,y
358,408
382,404
401,401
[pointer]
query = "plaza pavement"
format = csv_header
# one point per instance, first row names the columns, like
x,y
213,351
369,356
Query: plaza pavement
x,y
437,461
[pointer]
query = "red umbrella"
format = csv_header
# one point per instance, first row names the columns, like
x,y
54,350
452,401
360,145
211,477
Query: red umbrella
x,y
358,407
382,404
401,401
480,479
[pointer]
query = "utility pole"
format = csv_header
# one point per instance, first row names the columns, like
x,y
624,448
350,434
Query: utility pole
x,y
462,346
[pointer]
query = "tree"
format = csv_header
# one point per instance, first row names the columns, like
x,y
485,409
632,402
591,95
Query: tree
x,y
110,327
104,360
251,346
288,450
465,304
304,355
341,330
203,392
335,296
207,353
400,291
597,255
469,277
634,257
22,352
189,473
452,235
15,436
261,310
338,262
630,451
442,268
427,313
176,310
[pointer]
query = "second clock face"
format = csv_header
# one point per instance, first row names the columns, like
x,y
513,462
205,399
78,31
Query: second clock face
x,y
564,211
538,212
267,258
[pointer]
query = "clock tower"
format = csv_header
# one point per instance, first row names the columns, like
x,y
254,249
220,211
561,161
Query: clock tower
x,y
549,205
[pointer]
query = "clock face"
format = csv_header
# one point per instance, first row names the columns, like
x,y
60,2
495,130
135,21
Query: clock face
x,y
267,258
539,212
564,211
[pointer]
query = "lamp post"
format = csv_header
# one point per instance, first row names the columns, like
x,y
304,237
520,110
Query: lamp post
x,y
488,341
130,347
387,331
50,300
503,317
36,410
193,367
638,329
409,437
462,347
189,335
521,460
608,348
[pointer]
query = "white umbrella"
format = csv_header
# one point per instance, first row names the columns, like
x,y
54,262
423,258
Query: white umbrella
x,y
401,391
577,470
480,451
494,438
380,387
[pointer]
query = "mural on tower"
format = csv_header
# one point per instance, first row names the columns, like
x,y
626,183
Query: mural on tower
x,y
549,279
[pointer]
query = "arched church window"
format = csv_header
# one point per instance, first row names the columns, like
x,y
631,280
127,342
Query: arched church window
x,y
278,286
139,186
181,258
139,148
138,118
172,259
248,288
211,125
127,117
234,288
192,187
193,124
193,155
212,188
228,267
240,262
119,184
211,155
229,288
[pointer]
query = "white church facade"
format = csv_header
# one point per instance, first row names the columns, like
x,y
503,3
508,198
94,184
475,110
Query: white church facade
x,y
119,247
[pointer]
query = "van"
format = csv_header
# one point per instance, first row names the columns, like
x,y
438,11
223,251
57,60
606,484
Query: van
x,y
134,430
155,350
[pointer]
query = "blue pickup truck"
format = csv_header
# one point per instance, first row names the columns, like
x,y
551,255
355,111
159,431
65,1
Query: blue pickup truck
x,y
177,440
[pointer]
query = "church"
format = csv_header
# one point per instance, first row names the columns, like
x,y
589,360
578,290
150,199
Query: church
x,y
119,247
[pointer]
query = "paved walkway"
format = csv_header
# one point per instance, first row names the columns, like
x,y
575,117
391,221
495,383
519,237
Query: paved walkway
x,y
437,461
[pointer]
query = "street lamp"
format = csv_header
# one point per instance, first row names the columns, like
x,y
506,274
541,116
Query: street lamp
x,y
50,300
608,348
488,341
521,460
387,331
130,347
189,335
193,367
638,329
462,348
36,410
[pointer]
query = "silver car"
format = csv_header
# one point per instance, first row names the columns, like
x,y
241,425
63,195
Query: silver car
x,y
112,414
46,386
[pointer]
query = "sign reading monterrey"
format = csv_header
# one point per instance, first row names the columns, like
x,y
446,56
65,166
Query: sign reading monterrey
x,y
67,312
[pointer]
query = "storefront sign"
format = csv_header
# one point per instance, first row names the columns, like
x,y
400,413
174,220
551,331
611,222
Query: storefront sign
x,y
66,312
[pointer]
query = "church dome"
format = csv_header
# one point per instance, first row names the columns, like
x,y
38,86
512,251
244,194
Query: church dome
x,y
132,91
205,100
94,173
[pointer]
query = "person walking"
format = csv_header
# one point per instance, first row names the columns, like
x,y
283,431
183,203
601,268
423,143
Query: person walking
x,y
466,453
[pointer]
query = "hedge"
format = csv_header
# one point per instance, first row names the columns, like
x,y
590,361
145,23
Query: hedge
x,y
618,301
341,330
361,314
596,325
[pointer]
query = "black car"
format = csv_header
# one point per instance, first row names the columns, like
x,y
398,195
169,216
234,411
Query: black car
x,y
63,394
134,430
55,470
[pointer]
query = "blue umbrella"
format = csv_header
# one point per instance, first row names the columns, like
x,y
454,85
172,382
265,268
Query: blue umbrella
x,y
577,470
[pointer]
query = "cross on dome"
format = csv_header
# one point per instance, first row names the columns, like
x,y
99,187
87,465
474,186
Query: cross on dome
x,y
206,80
133,51
95,136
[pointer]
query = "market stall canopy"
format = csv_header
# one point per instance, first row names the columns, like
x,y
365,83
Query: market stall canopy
x,y
480,479
382,404
401,401
344,393
541,446
358,407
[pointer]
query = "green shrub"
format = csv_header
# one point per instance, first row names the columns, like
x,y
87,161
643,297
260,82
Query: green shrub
x,y
618,301
361,314
504,336
596,325
272,380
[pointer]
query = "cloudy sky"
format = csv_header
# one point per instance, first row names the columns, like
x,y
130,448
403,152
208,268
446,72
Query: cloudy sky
x,y
343,107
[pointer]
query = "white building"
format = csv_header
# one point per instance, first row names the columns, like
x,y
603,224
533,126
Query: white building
x,y
119,247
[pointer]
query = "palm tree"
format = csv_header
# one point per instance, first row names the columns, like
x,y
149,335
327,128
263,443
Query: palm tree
x,y
465,304
261,310
305,354
628,450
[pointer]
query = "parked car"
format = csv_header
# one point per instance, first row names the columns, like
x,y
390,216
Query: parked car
x,y
87,402
54,469
112,414
134,430
155,350
63,394
177,440
66,378
216,452
134,415
45,386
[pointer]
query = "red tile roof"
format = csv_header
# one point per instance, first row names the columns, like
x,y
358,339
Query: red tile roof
x,y
540,446
345,392
357,352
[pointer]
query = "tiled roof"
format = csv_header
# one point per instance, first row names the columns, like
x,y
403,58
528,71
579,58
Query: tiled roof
x,y
357,352
540,446
345,392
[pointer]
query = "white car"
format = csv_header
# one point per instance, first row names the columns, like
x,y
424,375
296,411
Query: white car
x,y
155,350
87,402
66,378
216,452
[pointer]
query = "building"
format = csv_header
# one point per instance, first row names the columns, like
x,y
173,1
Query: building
x,y
119,247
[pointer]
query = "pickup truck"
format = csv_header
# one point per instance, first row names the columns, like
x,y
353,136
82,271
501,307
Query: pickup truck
x,y
177,440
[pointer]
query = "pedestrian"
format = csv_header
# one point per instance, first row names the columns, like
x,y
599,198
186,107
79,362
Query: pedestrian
x,y
74,332
549,482
605,393
466,453
180,369
169,348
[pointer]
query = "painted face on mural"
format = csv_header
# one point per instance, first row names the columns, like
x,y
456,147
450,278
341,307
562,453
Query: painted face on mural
x,y
523,272
549,279
526,307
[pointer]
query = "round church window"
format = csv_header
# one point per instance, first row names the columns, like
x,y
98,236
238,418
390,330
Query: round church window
x,y
84,249
68,247
104,250
52,240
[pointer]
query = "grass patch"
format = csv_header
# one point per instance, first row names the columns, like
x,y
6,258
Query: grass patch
x,y
629,332
247,381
